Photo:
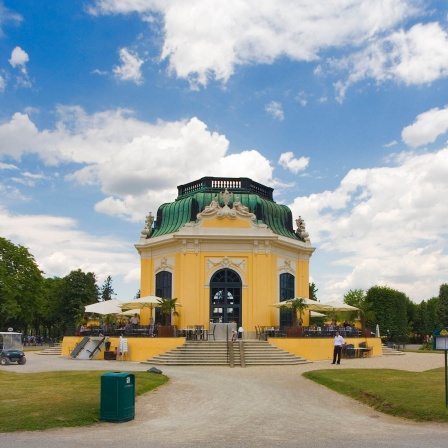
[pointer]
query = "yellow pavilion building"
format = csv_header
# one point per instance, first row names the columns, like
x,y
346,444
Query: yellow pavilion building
x,y
227,252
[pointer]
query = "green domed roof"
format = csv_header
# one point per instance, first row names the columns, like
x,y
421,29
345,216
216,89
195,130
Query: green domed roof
x,y
195,196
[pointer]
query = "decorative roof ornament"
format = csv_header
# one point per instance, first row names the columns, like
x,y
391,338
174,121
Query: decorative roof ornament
x,y
226,196
147,230
301,231
238,210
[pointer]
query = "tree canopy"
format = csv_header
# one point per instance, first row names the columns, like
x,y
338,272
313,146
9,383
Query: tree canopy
x,y
21,286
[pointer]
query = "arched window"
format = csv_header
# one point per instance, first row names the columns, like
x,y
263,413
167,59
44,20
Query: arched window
x,y
164,289
225,296
164,284
287,291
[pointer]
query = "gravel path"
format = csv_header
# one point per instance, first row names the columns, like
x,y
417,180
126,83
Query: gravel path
x,y
256,406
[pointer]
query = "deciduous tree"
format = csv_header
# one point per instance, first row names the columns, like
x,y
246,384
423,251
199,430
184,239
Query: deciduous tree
x,y
443,305
21,283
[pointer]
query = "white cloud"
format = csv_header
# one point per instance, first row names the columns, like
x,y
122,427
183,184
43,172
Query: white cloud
x,y
414,57
289,162
274,109
301,97
2,84
136,164
258,32
19,58
390,144
8,166
426,128
59,247
130,68
6,15
384,226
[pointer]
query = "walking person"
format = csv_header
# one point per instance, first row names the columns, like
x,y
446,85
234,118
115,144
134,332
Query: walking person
x,y
339,342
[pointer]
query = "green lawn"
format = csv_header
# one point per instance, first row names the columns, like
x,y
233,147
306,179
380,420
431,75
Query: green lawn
x,y
62,399
45,400
413,395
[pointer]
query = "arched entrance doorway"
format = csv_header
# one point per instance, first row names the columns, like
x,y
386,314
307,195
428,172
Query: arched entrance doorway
x,y
225,297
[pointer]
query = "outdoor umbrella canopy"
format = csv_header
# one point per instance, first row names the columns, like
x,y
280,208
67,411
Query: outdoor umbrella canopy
x,y
142,302
128,313
311,305
377,331
334,305
106,307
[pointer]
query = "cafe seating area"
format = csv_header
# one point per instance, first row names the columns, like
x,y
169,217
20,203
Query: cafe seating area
x,y
330,331
223,331
127,330
264,332
362,351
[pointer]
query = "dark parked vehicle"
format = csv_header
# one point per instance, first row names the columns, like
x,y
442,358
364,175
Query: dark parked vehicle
x,y
11,348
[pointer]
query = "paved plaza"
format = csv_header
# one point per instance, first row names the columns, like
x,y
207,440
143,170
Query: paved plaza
x,y
240,407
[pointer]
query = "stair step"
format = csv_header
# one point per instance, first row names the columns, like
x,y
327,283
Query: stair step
x,y
216,353
51,351
390,351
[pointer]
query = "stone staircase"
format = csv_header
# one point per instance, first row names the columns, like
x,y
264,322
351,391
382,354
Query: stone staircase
x,y
388,351
216,353
56,349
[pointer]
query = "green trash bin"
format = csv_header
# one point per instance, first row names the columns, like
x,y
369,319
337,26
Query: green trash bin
x,y
117,397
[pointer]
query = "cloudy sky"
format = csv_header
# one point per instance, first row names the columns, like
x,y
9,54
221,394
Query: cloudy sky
x,y
340,106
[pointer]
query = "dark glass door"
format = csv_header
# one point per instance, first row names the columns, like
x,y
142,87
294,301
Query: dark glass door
x,y
225,297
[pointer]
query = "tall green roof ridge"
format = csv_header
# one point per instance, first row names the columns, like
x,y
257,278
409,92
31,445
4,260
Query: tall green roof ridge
x,y
195,196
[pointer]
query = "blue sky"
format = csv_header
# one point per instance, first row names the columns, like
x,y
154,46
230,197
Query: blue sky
x,y
107,105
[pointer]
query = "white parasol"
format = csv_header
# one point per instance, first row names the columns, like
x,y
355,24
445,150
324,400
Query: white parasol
x,y
105,307
377,331
340,306
311,305
150,302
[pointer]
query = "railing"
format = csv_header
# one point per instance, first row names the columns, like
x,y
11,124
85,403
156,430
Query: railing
x,y
264,332
218,184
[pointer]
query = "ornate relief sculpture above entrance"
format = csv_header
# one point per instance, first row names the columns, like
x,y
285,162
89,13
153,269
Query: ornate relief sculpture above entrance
x,y
238,210
226,262
286,266
165,264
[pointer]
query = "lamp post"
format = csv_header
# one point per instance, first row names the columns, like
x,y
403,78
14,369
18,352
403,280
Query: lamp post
x,y
440,342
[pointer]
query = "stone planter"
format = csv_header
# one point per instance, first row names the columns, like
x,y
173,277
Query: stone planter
x,y
294,332
165,331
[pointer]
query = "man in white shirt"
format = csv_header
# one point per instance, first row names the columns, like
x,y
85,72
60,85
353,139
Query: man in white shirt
x,y
338,344
134,320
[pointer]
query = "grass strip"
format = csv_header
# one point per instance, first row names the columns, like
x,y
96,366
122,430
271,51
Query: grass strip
x,y
417,396
38,401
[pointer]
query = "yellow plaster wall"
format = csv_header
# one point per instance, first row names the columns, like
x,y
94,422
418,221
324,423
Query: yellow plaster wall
x,y
319,349
186,288
147,286
140,349
313,349
191,276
